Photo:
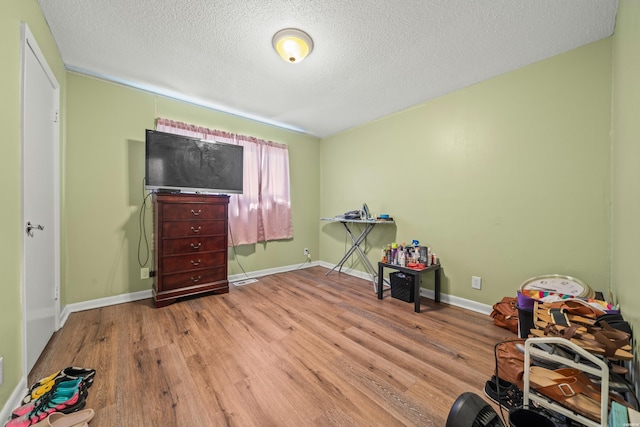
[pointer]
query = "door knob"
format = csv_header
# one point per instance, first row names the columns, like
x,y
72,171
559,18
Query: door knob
x,y
31,227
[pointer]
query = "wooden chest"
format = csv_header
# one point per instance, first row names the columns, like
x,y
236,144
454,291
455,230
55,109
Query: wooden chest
x,y
190,245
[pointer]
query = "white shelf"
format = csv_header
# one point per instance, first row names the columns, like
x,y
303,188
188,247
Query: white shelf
x,y
601,370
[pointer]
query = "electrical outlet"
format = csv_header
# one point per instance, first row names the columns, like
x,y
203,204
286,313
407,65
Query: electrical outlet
x,y
306,251
144,273
1,371
476,282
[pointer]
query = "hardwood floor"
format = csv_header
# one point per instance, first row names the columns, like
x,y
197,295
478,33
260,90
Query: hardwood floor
x,y
293,349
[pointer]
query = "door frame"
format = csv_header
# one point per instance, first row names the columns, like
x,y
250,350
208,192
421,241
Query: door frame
x,y
28,41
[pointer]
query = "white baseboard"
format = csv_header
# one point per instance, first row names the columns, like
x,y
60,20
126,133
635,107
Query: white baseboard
x,y
102,302
445,298
460,302
260,273
136,296
14,401
346,270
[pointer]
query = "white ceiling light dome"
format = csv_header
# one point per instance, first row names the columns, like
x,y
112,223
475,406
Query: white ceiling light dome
x,y
292,45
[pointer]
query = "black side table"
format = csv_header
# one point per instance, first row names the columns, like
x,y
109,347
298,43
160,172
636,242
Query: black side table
x,y
416,280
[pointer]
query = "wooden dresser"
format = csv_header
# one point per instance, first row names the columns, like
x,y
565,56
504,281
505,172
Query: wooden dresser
x,y
190,245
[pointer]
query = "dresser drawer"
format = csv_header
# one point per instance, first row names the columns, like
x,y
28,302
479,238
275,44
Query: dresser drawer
x,y
193,228
193,278
175,263
194,244
172,211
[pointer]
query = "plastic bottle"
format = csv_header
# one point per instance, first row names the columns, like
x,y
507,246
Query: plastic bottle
x,y
394,253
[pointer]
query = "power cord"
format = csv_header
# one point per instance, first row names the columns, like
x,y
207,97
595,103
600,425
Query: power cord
x,y
353,260
350,260
307,261
235,254
142,228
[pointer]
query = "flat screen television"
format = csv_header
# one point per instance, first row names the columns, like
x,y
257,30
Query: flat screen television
x,y
190,165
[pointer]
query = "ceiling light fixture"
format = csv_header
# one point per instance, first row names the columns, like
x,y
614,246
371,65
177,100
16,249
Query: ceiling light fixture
x,y
292,45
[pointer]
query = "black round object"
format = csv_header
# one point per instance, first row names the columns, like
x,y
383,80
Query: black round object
x,y
470,410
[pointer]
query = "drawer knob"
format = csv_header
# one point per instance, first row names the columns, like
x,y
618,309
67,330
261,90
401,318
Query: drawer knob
x,y
196,262
196,213
196,230
196,279
196,246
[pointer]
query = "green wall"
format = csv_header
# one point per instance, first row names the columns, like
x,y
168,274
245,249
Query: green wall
x,y
625,269
13,13
104,186
506,179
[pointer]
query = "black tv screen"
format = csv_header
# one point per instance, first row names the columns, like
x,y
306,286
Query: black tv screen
x,y
191,165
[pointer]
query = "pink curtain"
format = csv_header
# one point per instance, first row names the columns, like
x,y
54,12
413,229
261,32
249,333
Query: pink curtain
x,y
276,200
179,128
263,211
244,209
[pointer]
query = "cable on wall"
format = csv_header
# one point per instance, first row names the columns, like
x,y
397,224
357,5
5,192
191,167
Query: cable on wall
x,y
143,229
235,254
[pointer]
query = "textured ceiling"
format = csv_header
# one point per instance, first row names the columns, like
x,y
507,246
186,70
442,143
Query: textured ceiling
x,y
371,58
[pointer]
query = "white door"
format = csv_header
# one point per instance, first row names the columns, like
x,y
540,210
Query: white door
x,y
40,192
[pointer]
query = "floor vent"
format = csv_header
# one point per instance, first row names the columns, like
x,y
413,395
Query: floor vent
x,y
244,282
